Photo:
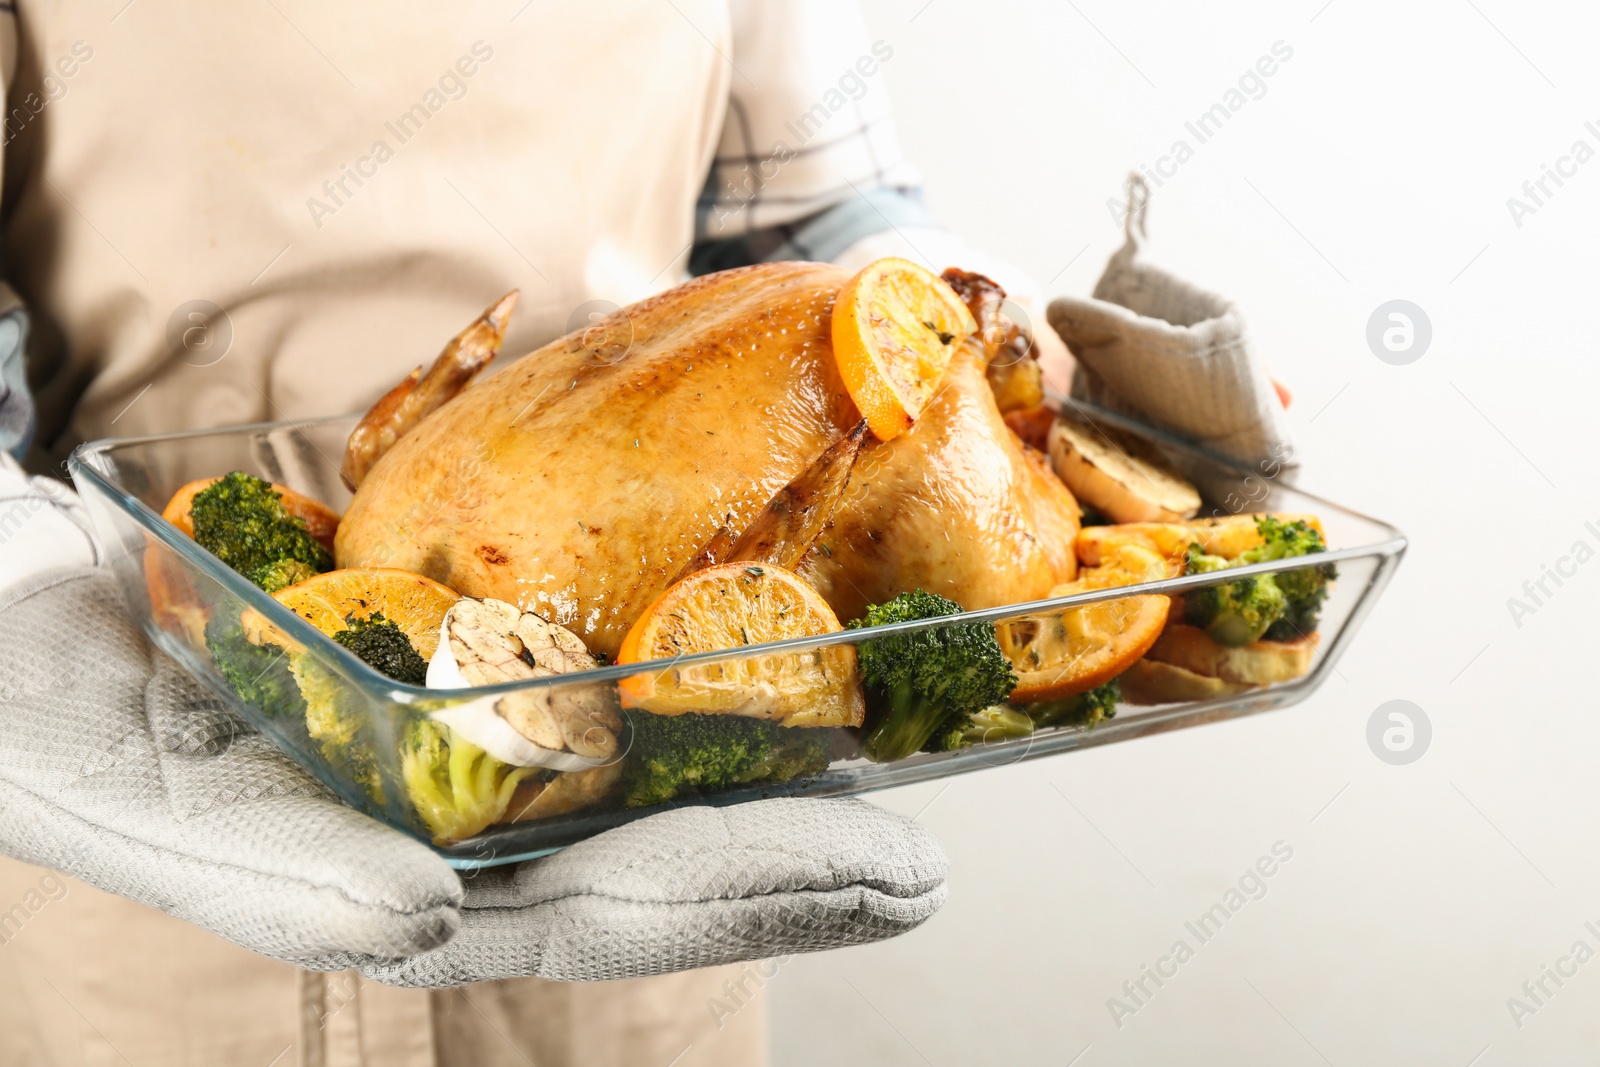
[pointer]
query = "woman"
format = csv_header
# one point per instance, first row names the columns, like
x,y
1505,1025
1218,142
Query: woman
x,y
218,215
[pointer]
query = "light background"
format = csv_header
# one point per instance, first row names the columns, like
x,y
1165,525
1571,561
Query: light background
x,y
1377,166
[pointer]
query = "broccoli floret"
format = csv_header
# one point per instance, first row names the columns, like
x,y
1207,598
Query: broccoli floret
x,y
384,647
1086,709
336,716
241,520
1304,589
795,753
683,755
928,681
259,674
998,722
1302,616
456,787
1281,540
1277,606
281,574
305,697
340,722
1233,613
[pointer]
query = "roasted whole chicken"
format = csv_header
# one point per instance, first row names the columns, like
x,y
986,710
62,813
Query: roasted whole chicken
x,y
706,424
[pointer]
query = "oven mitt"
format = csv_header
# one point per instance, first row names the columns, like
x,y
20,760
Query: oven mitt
x,y
120,770
1151,346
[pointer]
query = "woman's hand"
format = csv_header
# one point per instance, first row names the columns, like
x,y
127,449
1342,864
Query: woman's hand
x,y
119,769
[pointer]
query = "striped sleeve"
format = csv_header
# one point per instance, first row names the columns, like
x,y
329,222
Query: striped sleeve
x,y
808,162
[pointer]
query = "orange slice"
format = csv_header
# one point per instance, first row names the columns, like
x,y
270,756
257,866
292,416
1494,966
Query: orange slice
x,y
321,521
1063,653
729,606
415,604
1228,536
895,327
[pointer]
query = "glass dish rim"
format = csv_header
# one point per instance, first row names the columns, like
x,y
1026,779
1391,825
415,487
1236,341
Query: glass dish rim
x,y
379,686
934,766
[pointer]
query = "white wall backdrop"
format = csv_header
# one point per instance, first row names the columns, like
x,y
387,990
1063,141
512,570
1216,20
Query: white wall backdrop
x,y
1376,165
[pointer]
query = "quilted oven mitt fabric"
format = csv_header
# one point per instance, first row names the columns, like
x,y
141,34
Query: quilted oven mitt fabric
x,y
1154,347
120,770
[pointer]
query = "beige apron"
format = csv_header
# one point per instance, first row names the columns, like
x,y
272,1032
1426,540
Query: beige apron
x,y
227,212
87,978
350,183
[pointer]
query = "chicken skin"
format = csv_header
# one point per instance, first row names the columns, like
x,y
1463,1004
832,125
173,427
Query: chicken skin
x,y
580,481
955,505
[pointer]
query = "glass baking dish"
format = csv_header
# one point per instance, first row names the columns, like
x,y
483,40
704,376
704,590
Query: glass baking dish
x,y
125,483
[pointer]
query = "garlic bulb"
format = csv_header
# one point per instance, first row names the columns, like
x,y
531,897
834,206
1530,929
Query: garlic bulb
x,y
487,642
